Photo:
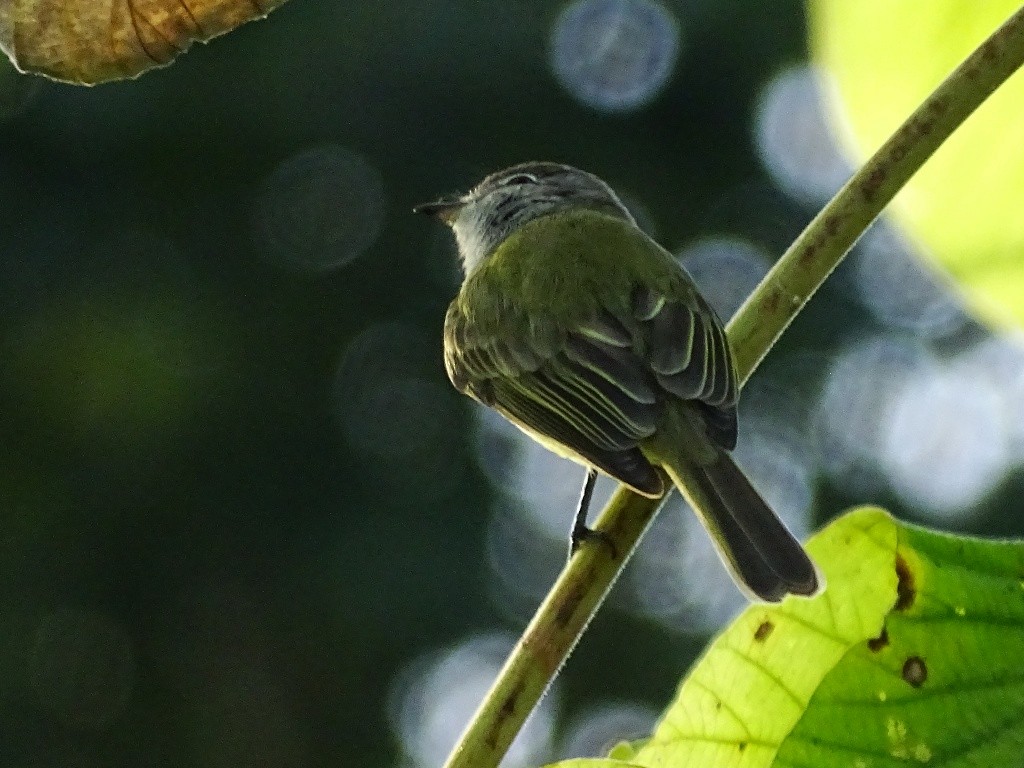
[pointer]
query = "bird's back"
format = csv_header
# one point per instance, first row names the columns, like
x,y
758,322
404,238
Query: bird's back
x,y
571,264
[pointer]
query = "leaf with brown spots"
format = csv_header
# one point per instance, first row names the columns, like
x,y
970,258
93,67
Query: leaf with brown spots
x,y
911,655
94,41
763,630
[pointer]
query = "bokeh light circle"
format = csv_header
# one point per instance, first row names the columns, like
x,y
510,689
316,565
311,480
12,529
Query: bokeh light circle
x,y
432,700
946,444
899,289
779,462
397,419
528,531
382,397
601,727
544,486
676,576
796,144
999,361
523,560
856,405
726,270
614,55
394,407
319,209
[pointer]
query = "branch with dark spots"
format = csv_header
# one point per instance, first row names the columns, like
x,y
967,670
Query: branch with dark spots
x,y
506,711
568,608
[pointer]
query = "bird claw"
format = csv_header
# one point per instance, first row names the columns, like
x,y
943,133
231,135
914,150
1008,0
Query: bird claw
x,y
582,533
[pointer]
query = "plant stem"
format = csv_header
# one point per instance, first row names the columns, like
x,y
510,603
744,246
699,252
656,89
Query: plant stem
x,y
586,579
554,630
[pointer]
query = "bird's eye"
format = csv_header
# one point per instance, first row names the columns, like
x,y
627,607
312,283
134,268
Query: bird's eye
x,y
519,178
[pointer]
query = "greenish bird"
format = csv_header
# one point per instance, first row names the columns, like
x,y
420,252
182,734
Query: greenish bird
x,y
580,329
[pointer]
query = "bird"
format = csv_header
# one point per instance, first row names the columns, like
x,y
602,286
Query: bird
x,y
583,331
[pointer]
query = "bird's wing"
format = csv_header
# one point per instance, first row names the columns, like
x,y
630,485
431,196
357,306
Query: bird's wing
x,y
684,343
599,386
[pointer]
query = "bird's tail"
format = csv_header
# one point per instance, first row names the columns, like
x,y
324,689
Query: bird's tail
x,y
765,558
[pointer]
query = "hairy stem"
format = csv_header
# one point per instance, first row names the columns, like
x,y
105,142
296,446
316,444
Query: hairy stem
x,y
583,584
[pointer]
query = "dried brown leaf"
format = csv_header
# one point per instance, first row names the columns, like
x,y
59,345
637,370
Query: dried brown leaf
x,y
93,41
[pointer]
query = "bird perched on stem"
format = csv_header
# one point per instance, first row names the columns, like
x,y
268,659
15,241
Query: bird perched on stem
x,y
580,329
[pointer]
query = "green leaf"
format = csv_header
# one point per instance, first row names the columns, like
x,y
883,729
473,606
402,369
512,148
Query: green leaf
x,y
965,204
911,655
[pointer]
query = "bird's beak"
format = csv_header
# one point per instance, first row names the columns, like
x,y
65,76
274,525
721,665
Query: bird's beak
x,y
446,209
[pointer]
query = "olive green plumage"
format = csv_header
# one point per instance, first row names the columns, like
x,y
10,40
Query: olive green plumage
x,y
583,331
553,343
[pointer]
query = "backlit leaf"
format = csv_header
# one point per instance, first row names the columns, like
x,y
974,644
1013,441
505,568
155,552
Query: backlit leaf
x,y
964,205
911,655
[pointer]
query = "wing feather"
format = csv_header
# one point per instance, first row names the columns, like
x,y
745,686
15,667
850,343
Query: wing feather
x,y
599,387
591,423
628,466
617,366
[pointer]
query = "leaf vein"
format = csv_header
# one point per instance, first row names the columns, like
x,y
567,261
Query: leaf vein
x,y
725,705
769,673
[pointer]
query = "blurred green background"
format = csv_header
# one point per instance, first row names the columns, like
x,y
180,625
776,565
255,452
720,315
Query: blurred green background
x,y
245,518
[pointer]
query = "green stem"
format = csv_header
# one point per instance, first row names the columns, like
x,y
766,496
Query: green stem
x,y
556,627
583,584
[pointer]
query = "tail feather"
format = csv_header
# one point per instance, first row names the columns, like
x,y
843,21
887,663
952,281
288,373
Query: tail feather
x,y
763,555
769,535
